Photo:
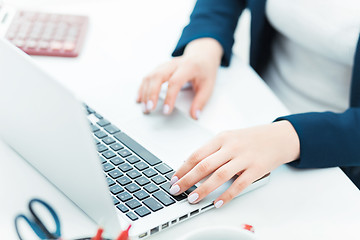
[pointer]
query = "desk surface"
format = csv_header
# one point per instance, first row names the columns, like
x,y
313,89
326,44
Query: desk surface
x,y
126,40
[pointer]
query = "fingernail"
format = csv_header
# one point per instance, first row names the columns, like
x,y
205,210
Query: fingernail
x,y
174,189
173,180
197,114
193,197
166,109
149,105
143,107
219,203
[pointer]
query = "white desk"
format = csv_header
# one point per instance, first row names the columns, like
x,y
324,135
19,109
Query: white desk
x,y
125,41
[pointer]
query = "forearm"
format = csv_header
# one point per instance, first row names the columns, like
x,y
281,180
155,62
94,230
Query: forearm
x,y
215,19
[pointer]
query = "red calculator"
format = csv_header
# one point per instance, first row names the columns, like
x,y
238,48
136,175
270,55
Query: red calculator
x,y
46,34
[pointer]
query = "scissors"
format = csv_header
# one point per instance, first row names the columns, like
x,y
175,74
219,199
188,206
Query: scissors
x,y
36,224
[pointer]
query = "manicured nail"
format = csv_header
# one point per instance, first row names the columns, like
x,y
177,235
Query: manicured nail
x,y
143,107
197,114
174,189
219,203
173,180
149,105
193,197
166,109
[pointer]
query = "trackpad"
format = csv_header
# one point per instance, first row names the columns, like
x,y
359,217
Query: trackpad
x,y
171,138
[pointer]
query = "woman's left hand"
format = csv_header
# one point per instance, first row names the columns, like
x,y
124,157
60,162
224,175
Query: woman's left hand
x,y
250,153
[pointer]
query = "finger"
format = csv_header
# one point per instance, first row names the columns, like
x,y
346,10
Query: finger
x,y
242,182
162,74
152,92
209,148
148,89
143,95
218,178
200,171
201,98
138,97
176,81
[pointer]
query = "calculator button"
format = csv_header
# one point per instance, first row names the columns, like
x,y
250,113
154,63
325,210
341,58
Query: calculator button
x,y
55,45
69,46
43,45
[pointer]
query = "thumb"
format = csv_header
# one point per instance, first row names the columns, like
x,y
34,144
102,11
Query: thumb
x,y
201,97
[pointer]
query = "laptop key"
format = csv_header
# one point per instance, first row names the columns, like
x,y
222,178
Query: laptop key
x,y
137,148
150,188
116,146
98,115
141,195
115,201
94,128
142,181
132,204
150,172
108,140
141,166
123,180
101,147
153,204
124,153
116,161
132,187
96,141
116,189
166,187
170,175
110,181
125,167
133,174
132,216
164,198
108,167
122,208
190,190
115,173
100,134
163,168
158,179
103,122
90,110
124,196
103,160
142,212
111,129
133,159
109,154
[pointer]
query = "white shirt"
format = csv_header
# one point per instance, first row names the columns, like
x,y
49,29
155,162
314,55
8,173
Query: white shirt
x,y
313,54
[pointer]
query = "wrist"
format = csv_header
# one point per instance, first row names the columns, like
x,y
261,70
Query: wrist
x,y
289,140
207,48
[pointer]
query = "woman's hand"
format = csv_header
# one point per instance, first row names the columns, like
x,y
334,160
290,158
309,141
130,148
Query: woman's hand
x,y
250,153
198,65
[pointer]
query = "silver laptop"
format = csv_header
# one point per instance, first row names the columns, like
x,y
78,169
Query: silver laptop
x,y
104,171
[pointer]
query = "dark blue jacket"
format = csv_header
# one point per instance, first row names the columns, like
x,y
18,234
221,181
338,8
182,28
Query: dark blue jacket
x,y
327,139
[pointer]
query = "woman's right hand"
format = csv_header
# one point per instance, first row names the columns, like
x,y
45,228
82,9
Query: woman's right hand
x,y
198,65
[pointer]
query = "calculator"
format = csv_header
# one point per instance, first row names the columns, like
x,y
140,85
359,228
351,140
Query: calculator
x,y
45,34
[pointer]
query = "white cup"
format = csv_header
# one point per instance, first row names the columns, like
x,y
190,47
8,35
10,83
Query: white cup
x,y
243,232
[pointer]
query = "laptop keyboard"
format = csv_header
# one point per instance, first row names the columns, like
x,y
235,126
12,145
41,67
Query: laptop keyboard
x,y
138,180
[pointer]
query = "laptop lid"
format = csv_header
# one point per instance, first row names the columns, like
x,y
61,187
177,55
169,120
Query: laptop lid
x,y
46,125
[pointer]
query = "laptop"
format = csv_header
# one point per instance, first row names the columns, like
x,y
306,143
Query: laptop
x,y
105,171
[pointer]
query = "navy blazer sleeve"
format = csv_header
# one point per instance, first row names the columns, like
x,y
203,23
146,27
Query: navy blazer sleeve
x,y
327,139
215,19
